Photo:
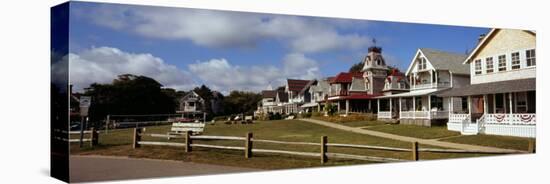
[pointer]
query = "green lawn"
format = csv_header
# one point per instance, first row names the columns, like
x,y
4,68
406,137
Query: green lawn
x,y
118,143
517,143
416,131
352,122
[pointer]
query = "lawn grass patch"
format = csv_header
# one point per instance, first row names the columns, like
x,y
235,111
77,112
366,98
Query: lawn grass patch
x,y
507,142
118,143
415,131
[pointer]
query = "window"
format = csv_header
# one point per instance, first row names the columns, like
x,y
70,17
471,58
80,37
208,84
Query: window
x,y
502,63
422,64
477,66
489,64
530,57
521,102
437,102
515,60
191,104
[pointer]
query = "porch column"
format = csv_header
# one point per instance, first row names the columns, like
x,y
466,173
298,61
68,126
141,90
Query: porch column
x,y
485,104
318,107
378,104
436,76
390,107
451,105
347,107
431,78
338,107
495,103
414,107
470,105
510,97
429,106
400,107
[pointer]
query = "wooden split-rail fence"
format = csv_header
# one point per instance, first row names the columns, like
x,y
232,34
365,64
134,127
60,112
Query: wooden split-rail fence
x,y
249,149
92,136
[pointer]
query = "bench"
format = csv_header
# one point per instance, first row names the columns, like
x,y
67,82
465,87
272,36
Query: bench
x,y
180,128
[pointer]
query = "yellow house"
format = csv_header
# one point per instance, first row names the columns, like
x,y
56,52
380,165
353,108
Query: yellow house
x,y
501,96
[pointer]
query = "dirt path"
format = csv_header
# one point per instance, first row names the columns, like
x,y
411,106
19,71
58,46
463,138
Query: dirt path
x,y
405,138
101,168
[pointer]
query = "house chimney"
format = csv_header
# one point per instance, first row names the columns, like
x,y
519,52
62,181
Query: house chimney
x,y
481,36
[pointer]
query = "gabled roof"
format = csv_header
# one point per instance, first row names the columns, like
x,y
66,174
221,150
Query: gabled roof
x,y
283,96
307,86
484,42
345,77
190,94
442,60
296,85
269,94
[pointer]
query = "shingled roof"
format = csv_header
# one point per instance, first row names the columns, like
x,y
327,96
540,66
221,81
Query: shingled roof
x,y
345,77
269,93
296,85
442,60
509,86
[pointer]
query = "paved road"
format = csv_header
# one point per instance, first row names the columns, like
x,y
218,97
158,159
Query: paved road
x,y
405,138
101,168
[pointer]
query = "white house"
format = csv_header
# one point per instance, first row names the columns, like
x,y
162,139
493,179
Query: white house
x,y
501,98
430,72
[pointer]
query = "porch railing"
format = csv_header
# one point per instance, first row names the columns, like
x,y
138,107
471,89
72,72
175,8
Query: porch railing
x,y
424,114
458,118
432,85
512,119
384,114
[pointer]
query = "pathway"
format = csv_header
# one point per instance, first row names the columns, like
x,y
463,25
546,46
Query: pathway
x,y
101,168
432,142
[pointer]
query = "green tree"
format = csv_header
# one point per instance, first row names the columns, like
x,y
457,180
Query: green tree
x,y
130,94
357,67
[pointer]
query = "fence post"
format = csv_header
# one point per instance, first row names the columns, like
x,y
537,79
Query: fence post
x,y
188,141
414,151
532,145
323,149
248,145
137,137
107,124
94,137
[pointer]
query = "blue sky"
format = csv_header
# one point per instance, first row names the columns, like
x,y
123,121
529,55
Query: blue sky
x,y
182,48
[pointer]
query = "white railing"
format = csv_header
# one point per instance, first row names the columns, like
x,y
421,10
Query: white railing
x,y
421,114
407,114
458,118
384,115
432,85
511,119
424,114
439,114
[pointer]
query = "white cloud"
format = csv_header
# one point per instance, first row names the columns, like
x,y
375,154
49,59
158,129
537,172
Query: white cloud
x,y
103,64
227,29
220,75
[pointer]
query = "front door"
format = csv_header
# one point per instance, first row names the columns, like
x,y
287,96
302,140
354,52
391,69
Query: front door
x,y
395,109
477,107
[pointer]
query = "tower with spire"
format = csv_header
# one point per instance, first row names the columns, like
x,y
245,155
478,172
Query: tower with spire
x,y
374,69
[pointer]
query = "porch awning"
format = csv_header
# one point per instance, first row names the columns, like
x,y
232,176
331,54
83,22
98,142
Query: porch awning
x,y
510,86
312,104
421,92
